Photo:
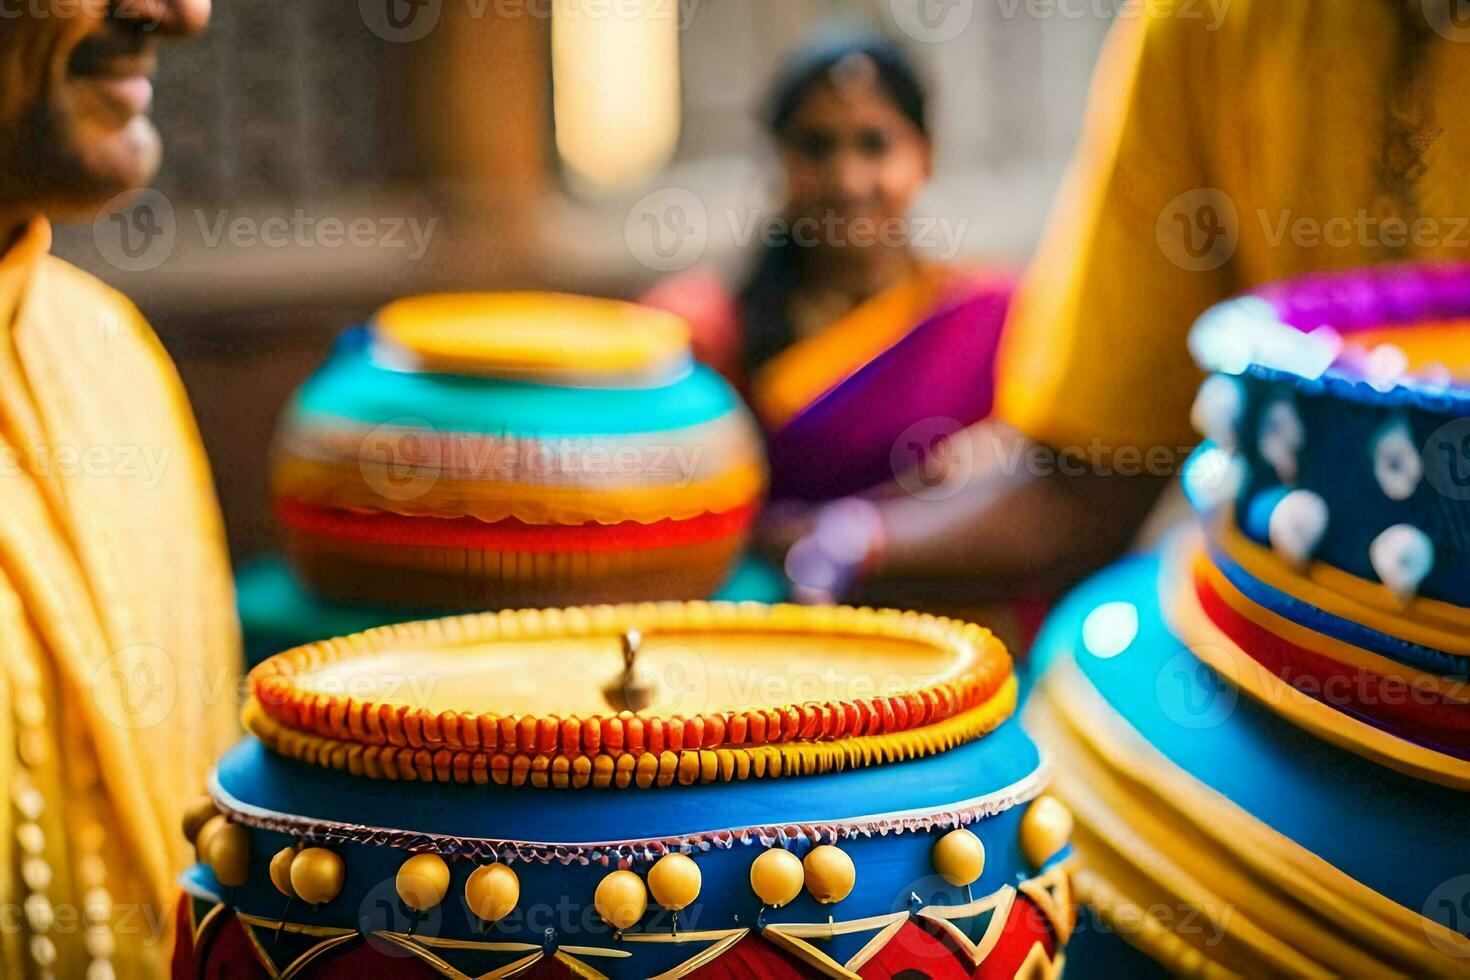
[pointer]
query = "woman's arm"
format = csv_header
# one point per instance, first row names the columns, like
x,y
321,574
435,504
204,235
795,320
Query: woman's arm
x,y
1023,520
1010,517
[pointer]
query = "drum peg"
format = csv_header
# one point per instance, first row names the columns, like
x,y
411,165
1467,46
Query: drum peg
x,y
631,692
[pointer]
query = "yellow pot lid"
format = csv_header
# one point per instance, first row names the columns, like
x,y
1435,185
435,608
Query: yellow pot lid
x,y
554,337
704,677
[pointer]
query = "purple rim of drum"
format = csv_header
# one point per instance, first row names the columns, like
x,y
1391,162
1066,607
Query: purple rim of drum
x,y
1368,299
1376,298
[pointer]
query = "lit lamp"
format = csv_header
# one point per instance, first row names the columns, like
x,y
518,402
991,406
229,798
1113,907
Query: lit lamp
x,y
615,88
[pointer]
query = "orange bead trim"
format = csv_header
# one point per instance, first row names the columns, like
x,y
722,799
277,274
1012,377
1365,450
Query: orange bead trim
x,y
982,667
650,768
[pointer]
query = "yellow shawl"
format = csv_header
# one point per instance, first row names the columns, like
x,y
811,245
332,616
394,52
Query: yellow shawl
x,y
117,632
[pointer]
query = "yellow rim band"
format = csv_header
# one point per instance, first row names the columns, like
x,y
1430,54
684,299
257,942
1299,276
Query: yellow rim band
x,y
347,487
1156,836
1327,646
973,664
1427,622
1207,642
491,333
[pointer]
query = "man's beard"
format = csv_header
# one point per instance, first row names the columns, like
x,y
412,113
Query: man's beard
x,y
46,169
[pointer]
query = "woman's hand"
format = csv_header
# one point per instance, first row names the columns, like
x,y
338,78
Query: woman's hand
x,y
828,563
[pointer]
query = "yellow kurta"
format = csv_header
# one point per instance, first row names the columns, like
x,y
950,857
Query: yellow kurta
x,y
1218,156
1265,135
120,648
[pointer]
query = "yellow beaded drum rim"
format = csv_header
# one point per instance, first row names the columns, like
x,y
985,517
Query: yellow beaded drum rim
x,y
684,767
917,684
535,335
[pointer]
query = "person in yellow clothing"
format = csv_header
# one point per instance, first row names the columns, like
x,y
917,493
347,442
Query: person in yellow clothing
x,y
1218,154
118,646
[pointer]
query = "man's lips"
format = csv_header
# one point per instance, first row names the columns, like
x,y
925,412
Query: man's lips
x,y
118,64
135,92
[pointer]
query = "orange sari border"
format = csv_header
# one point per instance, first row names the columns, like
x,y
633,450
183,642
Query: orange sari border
x,y
796,377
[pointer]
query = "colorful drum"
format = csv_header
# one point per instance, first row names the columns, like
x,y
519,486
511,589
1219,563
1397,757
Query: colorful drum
x,y
671,789
1265,728
492,451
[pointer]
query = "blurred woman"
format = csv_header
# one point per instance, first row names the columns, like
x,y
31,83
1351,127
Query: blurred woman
x,y
1284,139
858,353
838,280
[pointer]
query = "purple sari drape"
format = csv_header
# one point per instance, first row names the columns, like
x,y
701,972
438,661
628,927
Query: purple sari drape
x,y
885,416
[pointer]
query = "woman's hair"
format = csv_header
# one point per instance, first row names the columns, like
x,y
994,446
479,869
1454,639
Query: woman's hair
x,y
765,326
814,62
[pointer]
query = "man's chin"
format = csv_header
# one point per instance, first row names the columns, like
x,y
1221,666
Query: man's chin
x,y
98,165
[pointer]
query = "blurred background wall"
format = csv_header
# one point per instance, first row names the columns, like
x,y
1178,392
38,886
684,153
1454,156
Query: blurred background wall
x,y
325,157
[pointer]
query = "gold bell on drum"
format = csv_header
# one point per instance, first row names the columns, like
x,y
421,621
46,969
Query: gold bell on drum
x,y
317,875
621,899
1045,830
830,874
492,891
208,829
776,877
200,812
227,852
959,857
281,871
674,881
422,881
